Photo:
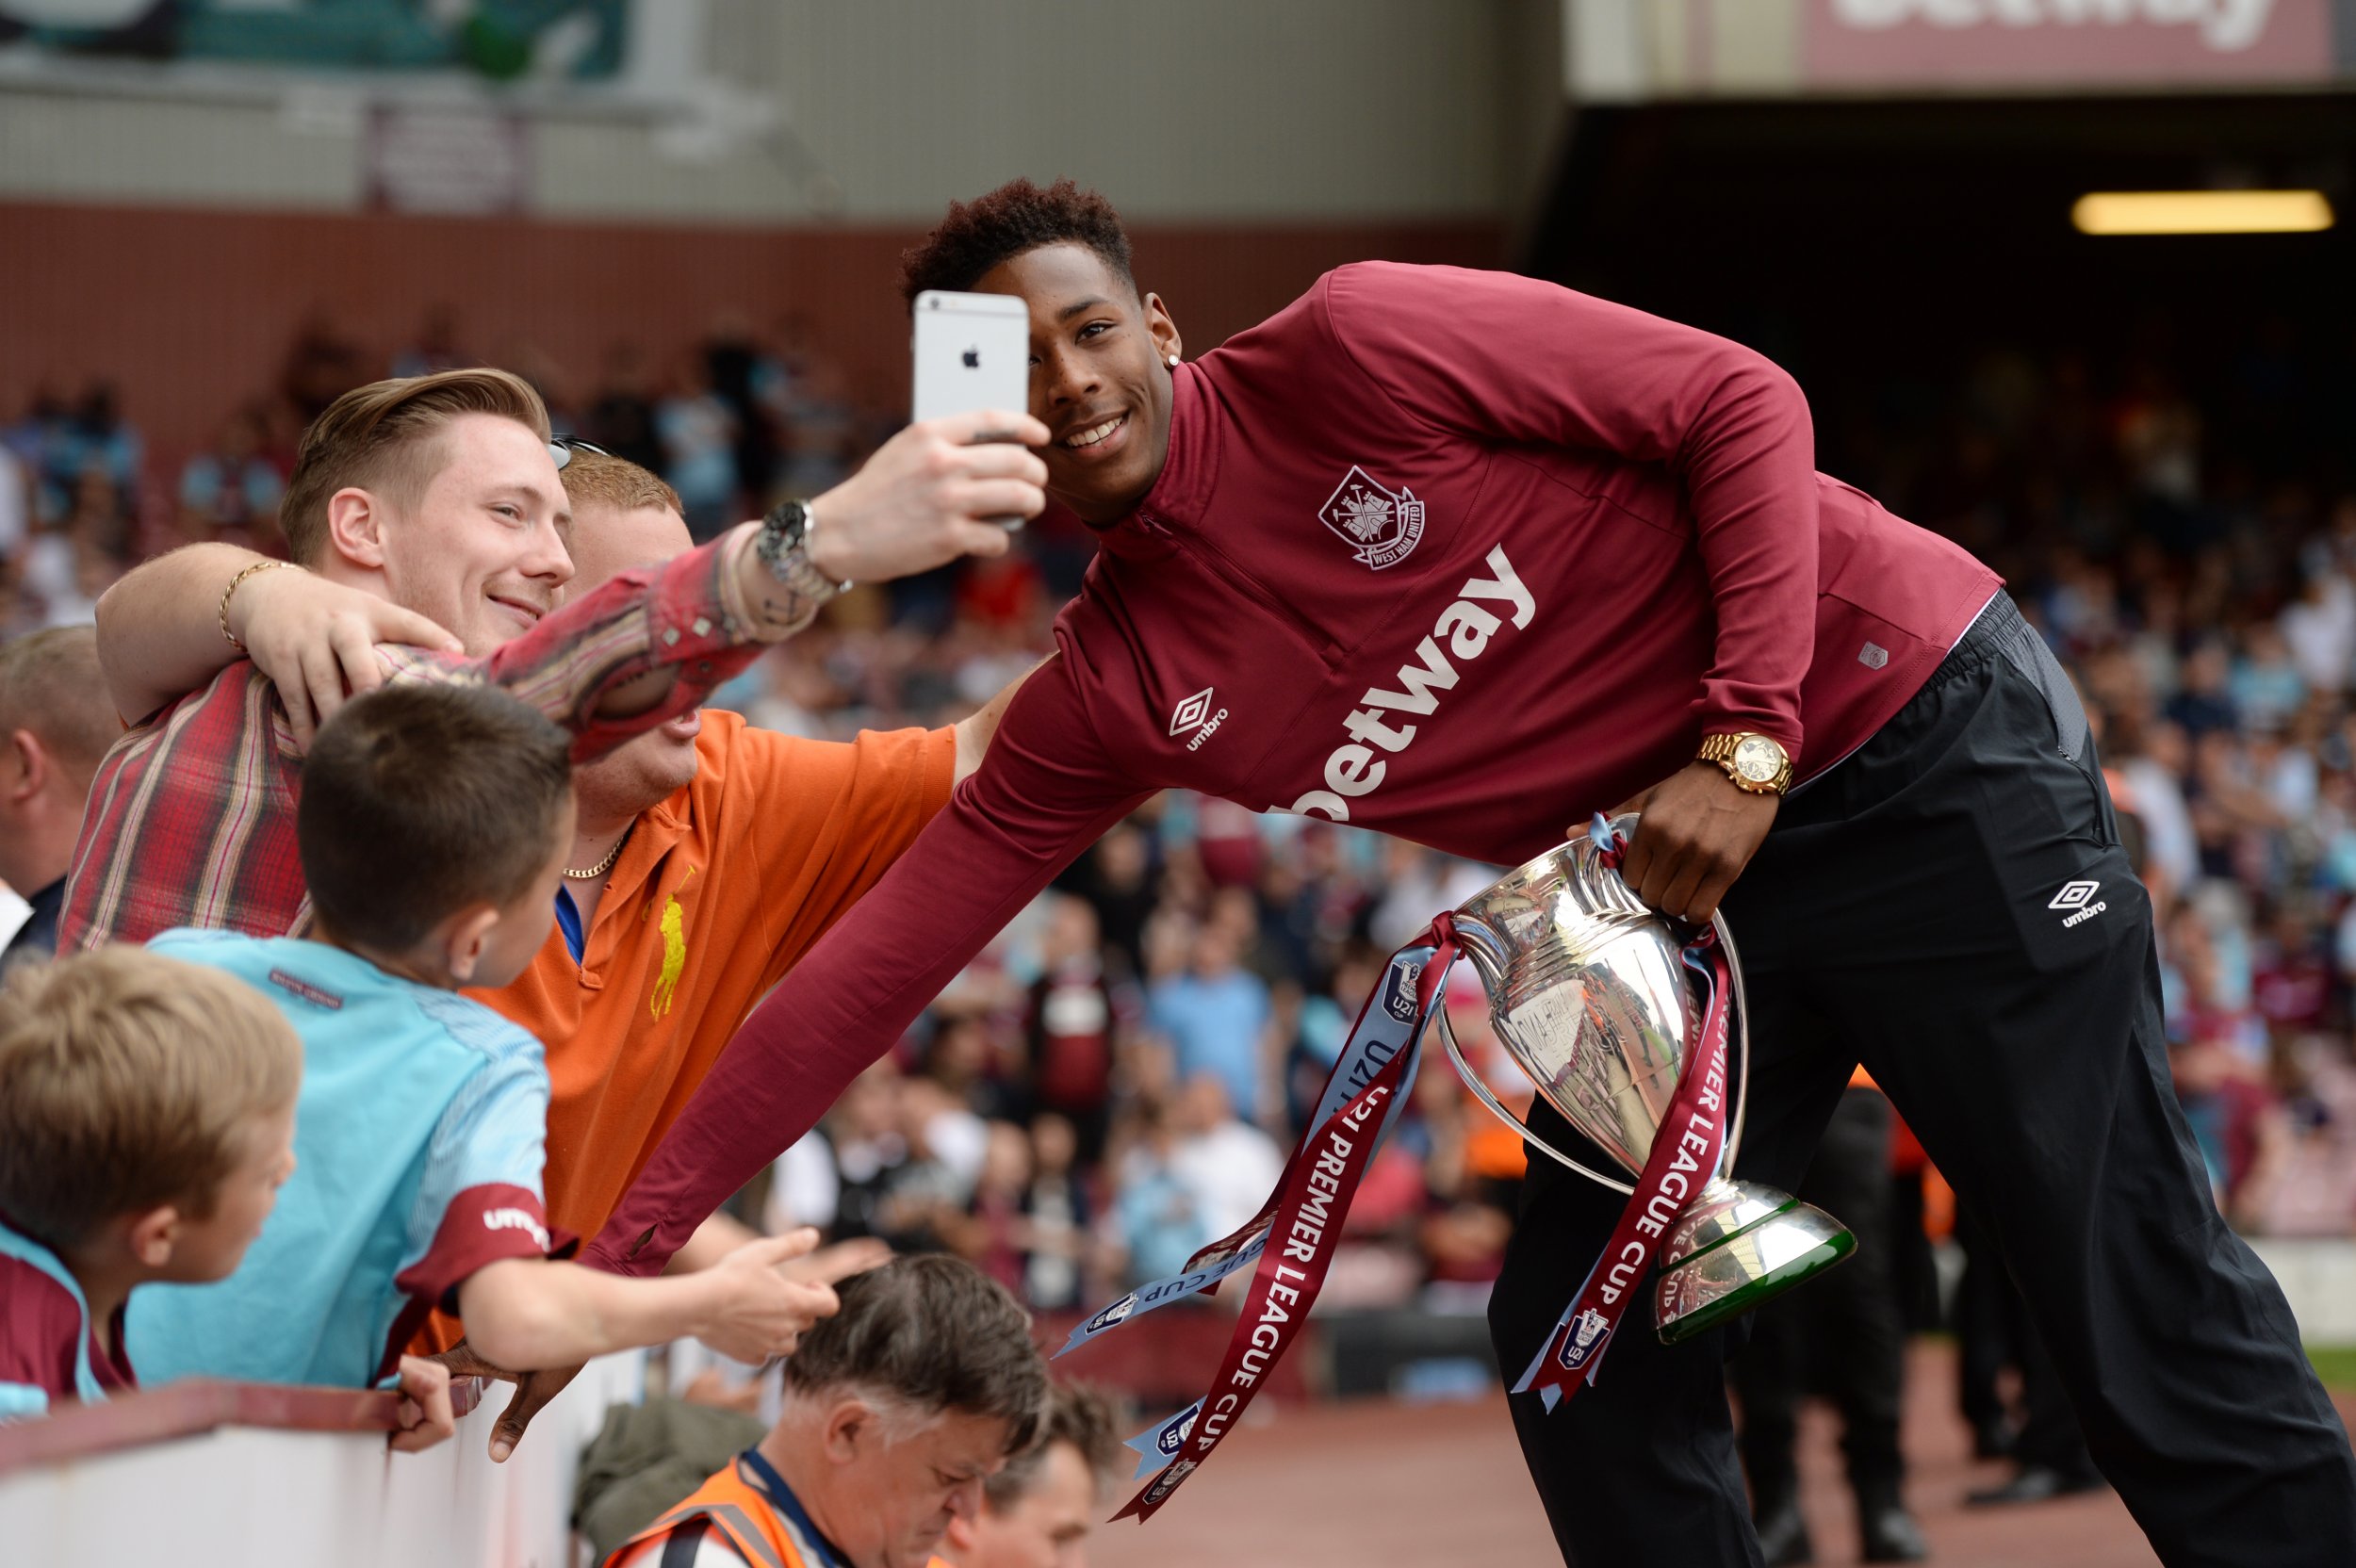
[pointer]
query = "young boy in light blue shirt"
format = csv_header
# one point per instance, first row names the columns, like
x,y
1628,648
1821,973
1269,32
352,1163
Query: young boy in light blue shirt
x,y
433,826
146,1119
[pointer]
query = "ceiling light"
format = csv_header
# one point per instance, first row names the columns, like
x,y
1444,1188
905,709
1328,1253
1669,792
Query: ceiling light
x,y
2201,212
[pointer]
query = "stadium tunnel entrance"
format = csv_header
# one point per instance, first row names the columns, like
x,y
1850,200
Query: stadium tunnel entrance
x,y
1895,255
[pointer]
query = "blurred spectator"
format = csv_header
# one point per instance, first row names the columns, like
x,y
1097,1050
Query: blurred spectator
x,y
621,419
1160,1219
698,434
231,493
1058,1214
95,439
1216,1016
435,348
321,365
1067,1026
2320,628
1227,1166
734,364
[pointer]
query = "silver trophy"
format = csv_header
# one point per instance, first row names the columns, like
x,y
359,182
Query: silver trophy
x,y
1592,998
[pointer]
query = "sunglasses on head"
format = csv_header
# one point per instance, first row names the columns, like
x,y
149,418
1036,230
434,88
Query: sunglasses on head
x,y
563,446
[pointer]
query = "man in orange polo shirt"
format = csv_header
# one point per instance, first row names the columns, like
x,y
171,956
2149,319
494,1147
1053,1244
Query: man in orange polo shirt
x,y
709,857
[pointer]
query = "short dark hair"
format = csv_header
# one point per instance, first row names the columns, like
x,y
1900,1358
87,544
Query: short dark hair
x,y
1017,216
419,799
931,1331
1076,1414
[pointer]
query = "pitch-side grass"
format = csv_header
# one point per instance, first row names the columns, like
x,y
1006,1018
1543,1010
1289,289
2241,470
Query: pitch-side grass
x,y
2334,1363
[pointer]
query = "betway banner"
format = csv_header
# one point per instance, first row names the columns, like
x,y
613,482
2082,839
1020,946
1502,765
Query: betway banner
x,y
2006,43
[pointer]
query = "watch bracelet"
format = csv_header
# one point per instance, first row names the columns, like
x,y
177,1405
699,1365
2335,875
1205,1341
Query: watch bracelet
x,y
790,566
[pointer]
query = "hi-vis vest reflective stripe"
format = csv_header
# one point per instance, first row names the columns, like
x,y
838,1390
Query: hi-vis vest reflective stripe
x,y
737,1509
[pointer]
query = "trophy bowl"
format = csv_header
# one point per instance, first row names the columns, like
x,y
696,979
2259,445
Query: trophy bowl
x,y
1591,996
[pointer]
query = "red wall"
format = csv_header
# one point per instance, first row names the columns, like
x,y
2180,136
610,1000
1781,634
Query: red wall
x,y
190,312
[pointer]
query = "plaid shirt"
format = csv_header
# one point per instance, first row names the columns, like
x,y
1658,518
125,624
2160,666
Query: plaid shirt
x,y
191,816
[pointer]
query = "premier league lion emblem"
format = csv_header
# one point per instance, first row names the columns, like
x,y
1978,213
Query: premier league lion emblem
x,y
1381,528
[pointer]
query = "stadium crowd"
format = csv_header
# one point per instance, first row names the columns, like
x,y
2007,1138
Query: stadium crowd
x,y
1113,1085
1120,1072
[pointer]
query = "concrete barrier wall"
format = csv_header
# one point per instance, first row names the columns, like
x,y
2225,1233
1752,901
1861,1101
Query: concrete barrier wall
x,y
252,1497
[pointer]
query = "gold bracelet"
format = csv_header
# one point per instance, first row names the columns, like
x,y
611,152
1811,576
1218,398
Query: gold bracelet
x,y
226,594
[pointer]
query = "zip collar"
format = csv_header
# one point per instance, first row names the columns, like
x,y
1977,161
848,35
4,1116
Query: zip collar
x,y
1189,473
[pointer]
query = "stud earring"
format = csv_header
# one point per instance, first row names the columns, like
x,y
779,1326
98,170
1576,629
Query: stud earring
x,y
1171,360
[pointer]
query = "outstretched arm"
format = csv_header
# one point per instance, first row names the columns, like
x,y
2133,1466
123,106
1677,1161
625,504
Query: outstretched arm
x,y
523,1314
159,631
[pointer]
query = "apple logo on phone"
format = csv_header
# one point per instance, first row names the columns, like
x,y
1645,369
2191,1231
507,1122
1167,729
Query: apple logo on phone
x,y
972,359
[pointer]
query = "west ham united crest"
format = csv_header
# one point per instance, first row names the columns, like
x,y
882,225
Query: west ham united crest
x,y
1380,526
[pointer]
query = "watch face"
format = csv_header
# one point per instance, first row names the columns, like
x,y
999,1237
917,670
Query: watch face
x,y
1758,758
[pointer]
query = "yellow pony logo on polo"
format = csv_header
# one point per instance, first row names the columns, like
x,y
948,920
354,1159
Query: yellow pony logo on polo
x,y
674,929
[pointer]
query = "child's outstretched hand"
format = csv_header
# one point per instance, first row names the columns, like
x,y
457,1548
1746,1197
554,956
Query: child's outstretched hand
x,y
425,1411
768,1293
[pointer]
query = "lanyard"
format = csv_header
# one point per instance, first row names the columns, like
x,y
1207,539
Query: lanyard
x,y
781,1497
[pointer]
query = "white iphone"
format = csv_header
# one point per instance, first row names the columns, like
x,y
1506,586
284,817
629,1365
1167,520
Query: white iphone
x,y
973,351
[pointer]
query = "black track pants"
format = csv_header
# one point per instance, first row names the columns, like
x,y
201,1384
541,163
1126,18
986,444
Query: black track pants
x,y
1909,911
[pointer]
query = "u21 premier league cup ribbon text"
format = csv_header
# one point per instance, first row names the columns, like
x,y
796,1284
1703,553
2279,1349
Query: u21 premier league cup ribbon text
x,y
1684,1155
1388,1025
1302,1218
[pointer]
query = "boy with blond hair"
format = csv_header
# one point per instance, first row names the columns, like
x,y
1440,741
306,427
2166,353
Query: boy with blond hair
x,y
433,827
146,1119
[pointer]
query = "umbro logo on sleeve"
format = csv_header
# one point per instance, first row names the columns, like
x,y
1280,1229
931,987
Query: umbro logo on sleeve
x,y
1194,714
2078,897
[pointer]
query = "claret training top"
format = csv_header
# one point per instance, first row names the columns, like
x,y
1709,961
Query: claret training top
x,y
1456,555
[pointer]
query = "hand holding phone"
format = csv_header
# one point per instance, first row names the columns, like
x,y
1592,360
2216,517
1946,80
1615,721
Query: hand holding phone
x,y
972,352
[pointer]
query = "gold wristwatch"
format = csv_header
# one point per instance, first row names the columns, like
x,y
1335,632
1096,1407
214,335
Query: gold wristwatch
x,y
1755,763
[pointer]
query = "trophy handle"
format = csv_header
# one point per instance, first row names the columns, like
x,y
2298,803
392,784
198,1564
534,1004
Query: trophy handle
x,y
1743,1048
1622,828
1472,1082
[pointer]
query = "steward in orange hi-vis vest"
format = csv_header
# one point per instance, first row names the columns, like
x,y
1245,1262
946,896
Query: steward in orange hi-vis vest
x,y
744,1508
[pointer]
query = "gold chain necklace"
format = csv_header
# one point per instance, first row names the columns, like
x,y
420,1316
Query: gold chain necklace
x,y
605,865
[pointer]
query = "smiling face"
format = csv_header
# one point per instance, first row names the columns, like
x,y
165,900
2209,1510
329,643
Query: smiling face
x,y
483,548
1100,377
